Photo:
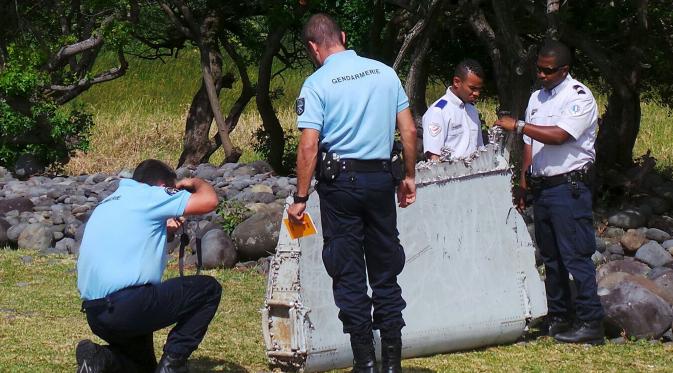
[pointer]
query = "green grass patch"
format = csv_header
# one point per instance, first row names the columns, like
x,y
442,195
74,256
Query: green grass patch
x,y
40,325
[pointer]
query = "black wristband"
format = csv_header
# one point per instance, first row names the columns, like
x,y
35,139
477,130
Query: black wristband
x,y
299,199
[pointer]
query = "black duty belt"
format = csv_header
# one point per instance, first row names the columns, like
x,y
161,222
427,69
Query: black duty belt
x,y
369,165
544,182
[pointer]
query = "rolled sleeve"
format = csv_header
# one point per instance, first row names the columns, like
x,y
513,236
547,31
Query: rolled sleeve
x,y
310,109
167,203
577,116
434,131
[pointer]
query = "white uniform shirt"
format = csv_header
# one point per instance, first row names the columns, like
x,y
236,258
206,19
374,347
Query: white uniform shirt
x,y
570,106
452,124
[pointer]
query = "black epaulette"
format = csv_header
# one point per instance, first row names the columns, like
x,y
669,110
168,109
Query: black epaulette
x,y
578,89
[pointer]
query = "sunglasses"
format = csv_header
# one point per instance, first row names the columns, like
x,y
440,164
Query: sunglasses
x,y
548,70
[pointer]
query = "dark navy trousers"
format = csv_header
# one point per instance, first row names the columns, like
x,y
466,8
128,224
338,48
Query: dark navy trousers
x,y
565,235
128,318
359,222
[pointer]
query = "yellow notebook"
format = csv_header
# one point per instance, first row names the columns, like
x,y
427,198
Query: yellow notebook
x,y
301,230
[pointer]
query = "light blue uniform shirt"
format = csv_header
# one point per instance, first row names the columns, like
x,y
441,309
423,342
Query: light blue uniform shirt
x,y
353,102
124,240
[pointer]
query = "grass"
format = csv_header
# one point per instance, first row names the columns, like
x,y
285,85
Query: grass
x,y
40,325
143,113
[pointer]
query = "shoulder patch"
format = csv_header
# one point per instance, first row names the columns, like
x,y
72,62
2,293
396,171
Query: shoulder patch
x,y
579,89
171,191
299,106
440,104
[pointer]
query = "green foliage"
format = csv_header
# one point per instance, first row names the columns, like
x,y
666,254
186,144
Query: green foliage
x,y
232,213
263,147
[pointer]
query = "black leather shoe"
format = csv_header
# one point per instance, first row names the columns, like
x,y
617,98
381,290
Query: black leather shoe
x,y
558,324
172,364
364,358
391,356
590,332
90,357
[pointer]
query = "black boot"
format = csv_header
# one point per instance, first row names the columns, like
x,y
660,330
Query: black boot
x,y
364,356
558,324
172,364
590,332
391,356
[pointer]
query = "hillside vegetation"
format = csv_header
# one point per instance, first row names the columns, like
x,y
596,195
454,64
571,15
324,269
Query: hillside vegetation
x,y
143,114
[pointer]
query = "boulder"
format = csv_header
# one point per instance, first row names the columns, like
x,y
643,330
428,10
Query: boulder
x,y
601,245
664,281
622,266
598,258
67,245
20,204
632,240
659,271
613,232
616,249
261,188
207,171
257,236
14,231
217,250
667,244
252,197
664,190
657,235
4,226
261,167
665,223
631,304
658,205
27,165
629,218
654,255
35,236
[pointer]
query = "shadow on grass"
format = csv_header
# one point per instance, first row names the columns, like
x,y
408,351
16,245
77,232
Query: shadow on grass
x,y
206,364
417,370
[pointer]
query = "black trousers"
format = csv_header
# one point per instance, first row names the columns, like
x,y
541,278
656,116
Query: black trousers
x,y
359,223
565,235
127,318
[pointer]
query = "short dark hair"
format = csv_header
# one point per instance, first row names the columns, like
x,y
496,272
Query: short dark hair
x,y
558,50
467,66
153,172
322,30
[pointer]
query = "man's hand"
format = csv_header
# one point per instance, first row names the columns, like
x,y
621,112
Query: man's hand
x,y
187,184
173,224
520,199
406,192
507,123
296,213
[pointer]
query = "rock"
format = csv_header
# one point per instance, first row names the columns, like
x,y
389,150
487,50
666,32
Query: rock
x,y
613,232
616,249
652,180
654,255
247,196
261,188
664,190
631,305
667,244
598,258
217,250
53,250
632,240
244,171
263,264
26,259
27,165
665,223
257,236
627,219
4,226
665,282
658,205
57,235
67,245
601,246
261,167
657,235
20,204
622,266
35,236
14,231
207,171
658,271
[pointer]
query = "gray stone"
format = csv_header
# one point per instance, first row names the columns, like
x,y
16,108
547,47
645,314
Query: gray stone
x,y
125,173
664,281
27,165
207,171
598,258
67,245
217,250
659,271
14,231
261,188
613,232
632,306
658,205
632,240
4,226
665,223
261,167
612,257
240,184
26,259
57,235
53,250
616,249
244,171
652,180
657,235
257,236
627,219
654,255
667,244
601,245
20,204
35,236
622,266
247,196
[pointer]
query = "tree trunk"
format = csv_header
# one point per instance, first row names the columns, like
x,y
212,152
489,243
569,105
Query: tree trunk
x,y
619,129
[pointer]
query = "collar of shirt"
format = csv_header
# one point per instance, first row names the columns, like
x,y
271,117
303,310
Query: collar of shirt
x,y
454,99
559,87
339,55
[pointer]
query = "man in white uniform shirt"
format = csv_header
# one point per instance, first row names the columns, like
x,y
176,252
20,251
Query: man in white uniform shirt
x,y
559,135
452,122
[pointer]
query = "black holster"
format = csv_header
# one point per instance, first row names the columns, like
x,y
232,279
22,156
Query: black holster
x,y
397,163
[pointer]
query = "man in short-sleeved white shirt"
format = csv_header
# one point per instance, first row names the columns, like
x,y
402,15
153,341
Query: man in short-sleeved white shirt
x,y
559,134
452,123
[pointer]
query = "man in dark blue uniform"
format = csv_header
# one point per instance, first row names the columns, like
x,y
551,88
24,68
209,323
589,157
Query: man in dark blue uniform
x,y
119,270
350,106
559,135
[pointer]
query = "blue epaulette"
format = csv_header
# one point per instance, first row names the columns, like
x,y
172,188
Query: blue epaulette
x,y
440,104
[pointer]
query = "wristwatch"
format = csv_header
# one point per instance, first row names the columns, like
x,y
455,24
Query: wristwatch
x,y
299,199
519,126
